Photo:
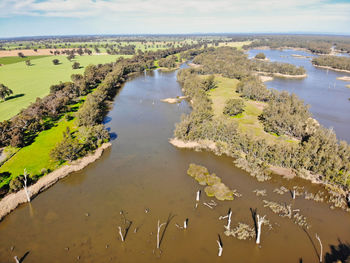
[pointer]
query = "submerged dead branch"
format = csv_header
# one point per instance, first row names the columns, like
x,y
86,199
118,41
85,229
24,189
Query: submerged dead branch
x,y
260,192
284,210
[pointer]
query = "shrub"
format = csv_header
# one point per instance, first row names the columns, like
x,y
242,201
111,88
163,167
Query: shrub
x,y
260,56
233,107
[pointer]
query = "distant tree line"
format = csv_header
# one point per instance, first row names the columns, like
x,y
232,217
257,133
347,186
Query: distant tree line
x,y
233,63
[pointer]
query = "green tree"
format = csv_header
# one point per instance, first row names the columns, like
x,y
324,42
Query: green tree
x,y
76,65
4,92
55,61
260,56
66,150
233,107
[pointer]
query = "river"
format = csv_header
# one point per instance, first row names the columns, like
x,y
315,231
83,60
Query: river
x,y
328,97
143,175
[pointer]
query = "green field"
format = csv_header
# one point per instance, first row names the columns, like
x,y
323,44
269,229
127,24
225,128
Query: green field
x,y
34,81
248,121
12,60
36,156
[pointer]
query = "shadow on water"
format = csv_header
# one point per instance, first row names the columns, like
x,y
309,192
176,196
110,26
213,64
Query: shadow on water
x,y
106,120
113,136
312,242
170,217
340,252
253,212
23,257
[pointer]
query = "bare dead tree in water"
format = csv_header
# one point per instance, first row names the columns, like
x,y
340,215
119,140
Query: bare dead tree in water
x,y
127,223
221,247
185,225
260,221
158,232
22,258
228,216
25,185
197,197
121,234
293,193
321,247
165,224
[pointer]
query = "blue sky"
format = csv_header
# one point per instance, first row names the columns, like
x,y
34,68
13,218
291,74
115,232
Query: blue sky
x,y
67,17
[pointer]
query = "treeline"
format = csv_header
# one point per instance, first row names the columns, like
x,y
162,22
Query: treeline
x,y
100,84
336,62
314,45
233,63
277,67
22,128
317,152
40,115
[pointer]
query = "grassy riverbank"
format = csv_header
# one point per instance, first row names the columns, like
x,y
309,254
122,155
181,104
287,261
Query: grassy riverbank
x,y
36,156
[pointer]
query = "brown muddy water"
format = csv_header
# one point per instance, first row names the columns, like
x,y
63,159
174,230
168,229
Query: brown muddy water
x,y
77,219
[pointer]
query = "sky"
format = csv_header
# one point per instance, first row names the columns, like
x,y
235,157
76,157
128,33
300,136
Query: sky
x,y
80,17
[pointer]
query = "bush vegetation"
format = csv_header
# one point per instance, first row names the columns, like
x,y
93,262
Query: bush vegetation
x,y
233,107
317,151
342,63
260,56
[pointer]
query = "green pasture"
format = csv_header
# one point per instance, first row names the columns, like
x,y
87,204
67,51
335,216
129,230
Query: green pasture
x,y
30,82
12,60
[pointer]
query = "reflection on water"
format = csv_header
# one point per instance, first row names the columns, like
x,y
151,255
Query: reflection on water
x,y
145,177
327,96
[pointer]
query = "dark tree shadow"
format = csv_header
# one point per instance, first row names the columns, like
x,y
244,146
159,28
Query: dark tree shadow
x,y
113,136
170,217
4,189
253,212
24,256
300,260
127,229
106,120
15,96
340,252
312,242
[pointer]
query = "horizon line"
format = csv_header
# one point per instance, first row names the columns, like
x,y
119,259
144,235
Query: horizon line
x,y
182,34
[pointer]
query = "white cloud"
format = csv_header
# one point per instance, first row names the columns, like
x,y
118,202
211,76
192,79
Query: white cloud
x,y
214,15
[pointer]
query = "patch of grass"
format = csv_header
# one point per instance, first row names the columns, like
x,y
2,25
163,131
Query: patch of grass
x,y
12,60
35,81
36,156
248,121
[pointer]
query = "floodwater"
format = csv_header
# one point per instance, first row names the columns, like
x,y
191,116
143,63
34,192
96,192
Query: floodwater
x,y
144,176
328,97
